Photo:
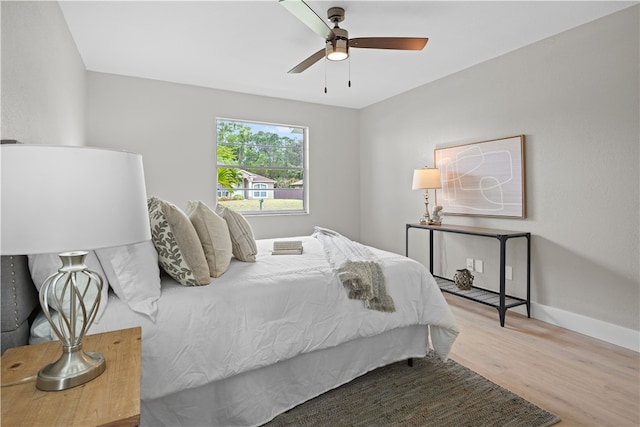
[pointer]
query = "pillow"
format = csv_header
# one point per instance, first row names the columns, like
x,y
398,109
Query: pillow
x,y
179,250
42,266
214,236
41,330
134,275
242,241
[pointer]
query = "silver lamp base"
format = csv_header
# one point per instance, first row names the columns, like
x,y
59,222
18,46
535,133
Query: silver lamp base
x,y
426,218
75,367
67,293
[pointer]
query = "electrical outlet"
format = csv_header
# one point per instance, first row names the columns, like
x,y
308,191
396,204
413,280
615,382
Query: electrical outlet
x,y
470,264
508,272
479,266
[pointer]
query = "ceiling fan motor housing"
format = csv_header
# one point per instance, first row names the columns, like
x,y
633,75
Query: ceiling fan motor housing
x,y
335,14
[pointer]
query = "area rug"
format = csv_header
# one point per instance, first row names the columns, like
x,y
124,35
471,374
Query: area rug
x,y
431,393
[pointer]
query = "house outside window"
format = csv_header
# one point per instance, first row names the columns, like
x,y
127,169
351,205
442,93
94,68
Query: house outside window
x,y
262,167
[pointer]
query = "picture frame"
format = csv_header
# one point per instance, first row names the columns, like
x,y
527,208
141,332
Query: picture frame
x,y
485,178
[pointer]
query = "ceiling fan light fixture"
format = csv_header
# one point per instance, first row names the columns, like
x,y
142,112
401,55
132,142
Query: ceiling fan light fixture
x,y
337,50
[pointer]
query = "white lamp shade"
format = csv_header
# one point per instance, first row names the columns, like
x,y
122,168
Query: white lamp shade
x,y
61,198
426,178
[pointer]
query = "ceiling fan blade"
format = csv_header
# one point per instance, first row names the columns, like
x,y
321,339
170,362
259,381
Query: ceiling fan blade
x,y
308,62
308,17
400,43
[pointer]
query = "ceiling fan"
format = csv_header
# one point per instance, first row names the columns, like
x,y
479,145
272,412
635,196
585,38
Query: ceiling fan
x,y
337,41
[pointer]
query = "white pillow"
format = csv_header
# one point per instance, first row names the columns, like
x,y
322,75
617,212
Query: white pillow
x,y
42,266
242,241
214,236
41,330
134,275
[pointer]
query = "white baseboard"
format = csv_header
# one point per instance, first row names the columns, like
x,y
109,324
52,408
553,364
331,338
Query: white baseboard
x,y
614,334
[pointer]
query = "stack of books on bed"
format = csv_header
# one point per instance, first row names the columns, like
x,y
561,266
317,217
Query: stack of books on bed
x,y
287,247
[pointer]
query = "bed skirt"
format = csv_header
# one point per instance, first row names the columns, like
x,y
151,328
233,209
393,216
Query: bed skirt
x,y
255,397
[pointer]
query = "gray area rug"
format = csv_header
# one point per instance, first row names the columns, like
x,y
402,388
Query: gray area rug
x,y
431,393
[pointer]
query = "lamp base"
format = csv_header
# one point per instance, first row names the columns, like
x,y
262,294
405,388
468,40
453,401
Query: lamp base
x,y
75,367
424,221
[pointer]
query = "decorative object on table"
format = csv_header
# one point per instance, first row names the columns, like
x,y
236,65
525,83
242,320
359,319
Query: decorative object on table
x,y
436,215
463,279
426,179
70,200
483,178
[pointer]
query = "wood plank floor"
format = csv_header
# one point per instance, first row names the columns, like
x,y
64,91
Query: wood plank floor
x,y
586,382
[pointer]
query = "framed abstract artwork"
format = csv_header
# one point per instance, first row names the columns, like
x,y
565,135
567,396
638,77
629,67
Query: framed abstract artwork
x,y
483,178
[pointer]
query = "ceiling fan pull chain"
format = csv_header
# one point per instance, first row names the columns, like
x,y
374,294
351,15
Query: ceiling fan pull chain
x,y
325,76
349,71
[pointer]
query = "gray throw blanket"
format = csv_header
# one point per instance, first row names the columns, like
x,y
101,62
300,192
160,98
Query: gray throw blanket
x,y
357,268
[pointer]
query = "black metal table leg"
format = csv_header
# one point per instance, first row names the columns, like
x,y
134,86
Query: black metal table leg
x,y
406,241
503,261
528,236
431,251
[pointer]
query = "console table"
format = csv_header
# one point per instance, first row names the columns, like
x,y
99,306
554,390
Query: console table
x,y
499,300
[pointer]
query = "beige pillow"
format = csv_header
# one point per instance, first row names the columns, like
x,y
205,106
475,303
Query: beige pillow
x,y
179,250
214,236
243,244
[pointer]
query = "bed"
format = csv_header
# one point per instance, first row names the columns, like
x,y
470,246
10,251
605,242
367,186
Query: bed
x,y
267,335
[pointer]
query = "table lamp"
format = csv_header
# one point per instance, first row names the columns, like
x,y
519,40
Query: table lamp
x,y
69,200
426,179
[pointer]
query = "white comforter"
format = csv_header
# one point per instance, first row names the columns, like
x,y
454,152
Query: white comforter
x,y
259,313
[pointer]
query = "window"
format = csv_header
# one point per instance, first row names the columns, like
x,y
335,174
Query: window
x,y
259,193
261,167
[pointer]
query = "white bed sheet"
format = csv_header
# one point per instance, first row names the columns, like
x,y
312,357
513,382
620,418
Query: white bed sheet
x,y
275,309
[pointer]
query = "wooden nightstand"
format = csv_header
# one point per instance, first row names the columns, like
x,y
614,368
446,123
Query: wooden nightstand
x,y
112,399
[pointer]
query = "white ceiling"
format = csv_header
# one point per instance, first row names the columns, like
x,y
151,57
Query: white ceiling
x,y
248,46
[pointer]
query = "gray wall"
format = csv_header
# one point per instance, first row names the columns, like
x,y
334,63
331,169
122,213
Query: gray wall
x,y
174,126
575,98
42,76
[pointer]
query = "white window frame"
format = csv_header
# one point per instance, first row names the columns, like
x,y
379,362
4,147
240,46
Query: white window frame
x,y
304,168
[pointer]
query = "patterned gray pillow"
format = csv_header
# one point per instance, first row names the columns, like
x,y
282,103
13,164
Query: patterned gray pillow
x,y
179,250
243,244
